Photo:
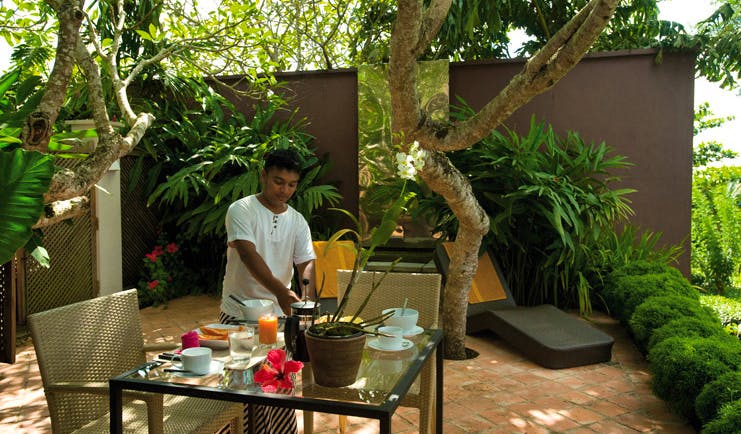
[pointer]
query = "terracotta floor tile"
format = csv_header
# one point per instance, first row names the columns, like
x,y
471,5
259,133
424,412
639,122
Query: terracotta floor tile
x,y
498,392
582,415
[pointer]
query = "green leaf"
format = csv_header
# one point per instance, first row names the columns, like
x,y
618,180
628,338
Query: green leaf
x,y
24,180
38,251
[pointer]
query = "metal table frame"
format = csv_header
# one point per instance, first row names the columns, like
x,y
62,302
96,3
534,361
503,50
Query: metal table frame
x,y
382,412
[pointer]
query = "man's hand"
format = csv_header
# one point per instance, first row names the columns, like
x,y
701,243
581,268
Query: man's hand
x,y
285,300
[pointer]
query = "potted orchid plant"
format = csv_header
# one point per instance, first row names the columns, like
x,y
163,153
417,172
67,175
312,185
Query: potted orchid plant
x,y
335,341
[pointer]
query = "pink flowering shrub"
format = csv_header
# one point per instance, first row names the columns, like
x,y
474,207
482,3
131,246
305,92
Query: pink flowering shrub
x,y
165,275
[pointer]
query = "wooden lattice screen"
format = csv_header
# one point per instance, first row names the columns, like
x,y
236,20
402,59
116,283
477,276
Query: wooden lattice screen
x,y
139,224
71,277
7,314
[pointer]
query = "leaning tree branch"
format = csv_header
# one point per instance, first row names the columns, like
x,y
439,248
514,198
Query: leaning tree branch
x,y
551,63
37,128
61,210
433,18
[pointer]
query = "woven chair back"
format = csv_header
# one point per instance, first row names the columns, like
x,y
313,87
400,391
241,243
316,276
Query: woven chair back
x,y
88,341
422,290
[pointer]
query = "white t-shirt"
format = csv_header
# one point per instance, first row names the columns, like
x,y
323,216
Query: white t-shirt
x,y
282,240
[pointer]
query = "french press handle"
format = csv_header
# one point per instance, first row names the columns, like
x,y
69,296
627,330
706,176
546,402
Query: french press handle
x,y
291,331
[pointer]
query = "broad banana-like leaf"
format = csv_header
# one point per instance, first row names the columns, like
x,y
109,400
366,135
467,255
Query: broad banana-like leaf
x,y
24,178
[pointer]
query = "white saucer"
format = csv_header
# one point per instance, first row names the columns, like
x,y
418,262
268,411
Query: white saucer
x,y
405,345
414,331
216,367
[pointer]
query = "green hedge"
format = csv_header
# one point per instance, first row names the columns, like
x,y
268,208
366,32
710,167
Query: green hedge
x,y
681,367
686,327
717,393
656,311
728,420
637,288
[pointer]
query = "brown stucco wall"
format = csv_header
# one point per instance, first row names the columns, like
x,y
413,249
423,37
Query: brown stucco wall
x,y
638,106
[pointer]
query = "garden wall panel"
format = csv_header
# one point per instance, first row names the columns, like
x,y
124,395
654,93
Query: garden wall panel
x,y
639,106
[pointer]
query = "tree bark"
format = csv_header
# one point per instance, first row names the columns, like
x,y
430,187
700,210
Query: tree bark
x,y
415,27
65,196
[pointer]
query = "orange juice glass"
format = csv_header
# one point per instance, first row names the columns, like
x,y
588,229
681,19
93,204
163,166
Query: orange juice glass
x,y
267,329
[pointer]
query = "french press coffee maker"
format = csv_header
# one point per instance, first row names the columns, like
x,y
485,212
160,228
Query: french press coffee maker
x,y
303,314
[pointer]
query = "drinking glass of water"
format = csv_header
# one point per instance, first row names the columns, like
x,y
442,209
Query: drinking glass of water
x,y
241,344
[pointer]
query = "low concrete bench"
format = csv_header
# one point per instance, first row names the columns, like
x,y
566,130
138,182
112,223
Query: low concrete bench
x,y
544,334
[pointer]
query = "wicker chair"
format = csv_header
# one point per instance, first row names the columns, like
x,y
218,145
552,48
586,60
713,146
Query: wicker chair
x,y
80,346
423,293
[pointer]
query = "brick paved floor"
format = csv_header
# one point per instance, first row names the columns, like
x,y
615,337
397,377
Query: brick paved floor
x,y
497,392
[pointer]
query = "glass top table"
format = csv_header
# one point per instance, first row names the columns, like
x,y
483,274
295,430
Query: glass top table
x,y
384,378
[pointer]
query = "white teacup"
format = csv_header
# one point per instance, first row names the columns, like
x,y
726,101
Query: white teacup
x,y
390,337
407,321
196,360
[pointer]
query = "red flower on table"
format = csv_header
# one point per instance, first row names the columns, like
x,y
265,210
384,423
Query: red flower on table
x,y
171,248
153,284
275,374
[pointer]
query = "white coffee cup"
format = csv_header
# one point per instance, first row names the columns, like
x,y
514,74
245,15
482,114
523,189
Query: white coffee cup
x,y
390,337
196,360
407,321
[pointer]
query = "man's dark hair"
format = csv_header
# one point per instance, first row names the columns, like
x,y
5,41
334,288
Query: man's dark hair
x,y
287,159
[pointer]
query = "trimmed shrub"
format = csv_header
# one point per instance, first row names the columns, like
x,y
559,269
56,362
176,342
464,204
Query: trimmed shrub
x,y
656,311
727,422
637,289
686,327
717,393
637,268
611,292
681,367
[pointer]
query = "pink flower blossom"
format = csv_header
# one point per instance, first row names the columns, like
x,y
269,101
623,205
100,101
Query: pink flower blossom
x,y
153,284
275,374
151,256
158,250
172,248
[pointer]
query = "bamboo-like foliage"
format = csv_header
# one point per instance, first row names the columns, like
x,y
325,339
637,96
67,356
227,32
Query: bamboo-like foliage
x,y
551,206
716,230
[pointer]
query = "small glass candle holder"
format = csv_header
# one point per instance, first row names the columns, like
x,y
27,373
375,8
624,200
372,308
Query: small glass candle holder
x,y
267,329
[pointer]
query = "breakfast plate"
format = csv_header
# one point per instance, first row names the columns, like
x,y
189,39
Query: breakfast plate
x,y
216,336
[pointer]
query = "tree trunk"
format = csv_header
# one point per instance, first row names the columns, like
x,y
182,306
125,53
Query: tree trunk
x,y
414,29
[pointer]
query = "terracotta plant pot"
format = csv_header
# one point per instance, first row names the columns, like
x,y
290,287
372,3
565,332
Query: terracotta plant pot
x,y
335,360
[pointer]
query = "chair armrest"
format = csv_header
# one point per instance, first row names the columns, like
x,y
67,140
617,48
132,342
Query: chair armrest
x,y
95,387
160,346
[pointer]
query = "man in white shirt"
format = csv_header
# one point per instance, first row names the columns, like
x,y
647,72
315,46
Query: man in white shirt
x,y
265,238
